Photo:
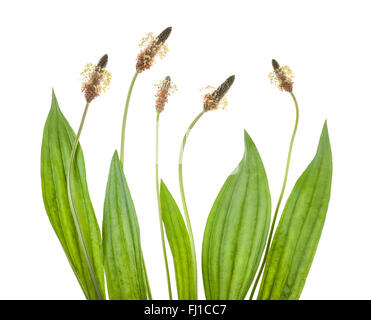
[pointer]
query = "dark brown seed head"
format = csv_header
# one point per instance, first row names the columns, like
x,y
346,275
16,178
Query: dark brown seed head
x,y
212,100
103,62
162,37
220,92
275,64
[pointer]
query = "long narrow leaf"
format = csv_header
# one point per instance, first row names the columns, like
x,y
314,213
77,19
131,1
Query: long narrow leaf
x,y
296,238
180,245
58,139
237,229
121,240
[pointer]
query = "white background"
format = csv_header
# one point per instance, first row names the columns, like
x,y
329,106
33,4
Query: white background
x,y
46,44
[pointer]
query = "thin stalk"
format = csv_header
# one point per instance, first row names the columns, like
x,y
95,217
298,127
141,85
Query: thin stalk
x,y
74,213
182,194
160,211
125,117
280,197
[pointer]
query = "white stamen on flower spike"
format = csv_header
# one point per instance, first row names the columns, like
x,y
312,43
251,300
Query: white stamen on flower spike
x,y
146,40
153,46
281,77
215,99
95,79
165,89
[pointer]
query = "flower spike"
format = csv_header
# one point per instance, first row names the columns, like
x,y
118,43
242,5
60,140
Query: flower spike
x,y
95,79
212,100
154,46
282,77
165,89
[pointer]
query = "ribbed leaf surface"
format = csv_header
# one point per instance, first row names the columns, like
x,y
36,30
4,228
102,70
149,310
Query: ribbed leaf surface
x,y
123,259
237,229
299,230
58,139
180,245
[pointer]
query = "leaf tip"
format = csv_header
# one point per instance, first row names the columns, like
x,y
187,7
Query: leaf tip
x,y
162,185
54,99
246,136
324,141
115,156
248,141
54,106
325,130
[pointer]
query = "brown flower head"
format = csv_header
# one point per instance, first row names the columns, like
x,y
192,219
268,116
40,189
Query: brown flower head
x,y
281,77
95,79
212,100
153,46
165,88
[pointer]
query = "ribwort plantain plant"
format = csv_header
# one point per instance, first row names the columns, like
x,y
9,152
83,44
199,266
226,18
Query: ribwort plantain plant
x,y
239,235
97,79
179,233
211,102
282,77
238,224
65,192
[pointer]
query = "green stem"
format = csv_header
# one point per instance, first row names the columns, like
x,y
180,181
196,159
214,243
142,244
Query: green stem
x,y
280,197
182,194
125,117
160,211
74,213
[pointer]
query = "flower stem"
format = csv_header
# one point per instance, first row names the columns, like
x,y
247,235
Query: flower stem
x,y
125,117
74,213
160,211
182,194
280,197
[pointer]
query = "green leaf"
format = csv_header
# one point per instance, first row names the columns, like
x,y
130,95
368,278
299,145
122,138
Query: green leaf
x,y
123,258
180,245
237,229
299,230
58,139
